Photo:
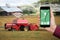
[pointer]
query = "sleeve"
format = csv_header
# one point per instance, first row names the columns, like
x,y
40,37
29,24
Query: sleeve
x,y
57,32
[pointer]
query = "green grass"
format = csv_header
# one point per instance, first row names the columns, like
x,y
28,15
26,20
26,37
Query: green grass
x,y
26,35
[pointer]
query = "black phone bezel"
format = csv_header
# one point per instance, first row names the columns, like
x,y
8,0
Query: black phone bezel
x,y
44,8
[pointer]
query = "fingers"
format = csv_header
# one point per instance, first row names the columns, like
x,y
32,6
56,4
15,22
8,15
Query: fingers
x,y
52,18
47,28
52,14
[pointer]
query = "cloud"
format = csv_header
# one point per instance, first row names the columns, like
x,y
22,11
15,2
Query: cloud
x,y
16,2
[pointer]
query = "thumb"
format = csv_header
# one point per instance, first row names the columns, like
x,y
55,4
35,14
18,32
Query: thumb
x,y
49,30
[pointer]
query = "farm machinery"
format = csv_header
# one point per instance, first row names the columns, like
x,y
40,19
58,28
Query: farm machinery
x,y
22,25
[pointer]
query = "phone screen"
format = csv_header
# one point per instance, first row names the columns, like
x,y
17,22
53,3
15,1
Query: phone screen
x,y
45,17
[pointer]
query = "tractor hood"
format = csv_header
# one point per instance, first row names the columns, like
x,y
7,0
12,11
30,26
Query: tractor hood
x,y
22,21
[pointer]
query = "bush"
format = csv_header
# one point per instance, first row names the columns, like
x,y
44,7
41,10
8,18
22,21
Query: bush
x,y
29,10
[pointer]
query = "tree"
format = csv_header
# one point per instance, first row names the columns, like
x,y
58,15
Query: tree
x,y
28,10
50,1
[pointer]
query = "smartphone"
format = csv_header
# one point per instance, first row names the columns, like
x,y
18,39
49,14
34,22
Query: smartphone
x,y
45,16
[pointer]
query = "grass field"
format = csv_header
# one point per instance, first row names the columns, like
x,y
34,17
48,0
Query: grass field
x,y
23,35
26,35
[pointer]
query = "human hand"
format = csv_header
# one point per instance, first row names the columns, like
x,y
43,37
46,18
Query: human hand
x,y
52,24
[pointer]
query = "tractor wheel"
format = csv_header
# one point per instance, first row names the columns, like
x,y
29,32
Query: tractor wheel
x,y
22,28
10,29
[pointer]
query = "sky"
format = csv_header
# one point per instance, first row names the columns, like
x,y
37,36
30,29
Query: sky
x,y
16,2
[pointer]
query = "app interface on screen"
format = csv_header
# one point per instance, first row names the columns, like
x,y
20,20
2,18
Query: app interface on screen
x,y
45,17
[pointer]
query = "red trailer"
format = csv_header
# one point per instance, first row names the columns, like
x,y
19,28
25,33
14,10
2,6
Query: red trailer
x,y
22,25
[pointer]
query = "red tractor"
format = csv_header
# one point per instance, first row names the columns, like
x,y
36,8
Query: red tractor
x,y
22,25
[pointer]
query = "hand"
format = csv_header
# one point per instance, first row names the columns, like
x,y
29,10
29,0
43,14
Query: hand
x,y
52,24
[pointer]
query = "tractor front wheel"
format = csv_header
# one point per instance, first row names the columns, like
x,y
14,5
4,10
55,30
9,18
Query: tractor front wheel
x,y
10,29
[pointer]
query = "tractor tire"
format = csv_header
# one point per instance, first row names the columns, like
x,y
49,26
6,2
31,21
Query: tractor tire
x,y
10,29
22,28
